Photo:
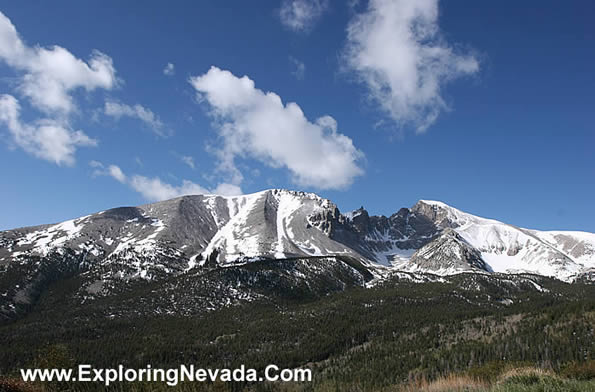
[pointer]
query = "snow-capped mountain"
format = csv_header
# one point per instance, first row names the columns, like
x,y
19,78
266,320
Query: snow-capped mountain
x,y
181,235
509,249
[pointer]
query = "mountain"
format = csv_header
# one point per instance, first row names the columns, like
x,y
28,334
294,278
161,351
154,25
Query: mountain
x,y
321,248
448,253
509,249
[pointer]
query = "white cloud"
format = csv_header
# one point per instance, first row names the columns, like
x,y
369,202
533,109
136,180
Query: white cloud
x,y
51,74
96,164
299,68
154,189
169,69
188,160
118,110
47,78
398,52
112,171
301,15
256,124
46,138
116,172
225,189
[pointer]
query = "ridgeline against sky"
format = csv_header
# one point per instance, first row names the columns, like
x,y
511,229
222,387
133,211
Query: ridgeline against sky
x,y
485,106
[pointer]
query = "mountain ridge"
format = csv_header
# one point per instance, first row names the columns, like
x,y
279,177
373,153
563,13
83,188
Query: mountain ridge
x,y
261,225
117,247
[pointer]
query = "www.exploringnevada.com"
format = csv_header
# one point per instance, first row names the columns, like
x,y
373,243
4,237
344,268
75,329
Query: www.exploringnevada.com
x,y
173,376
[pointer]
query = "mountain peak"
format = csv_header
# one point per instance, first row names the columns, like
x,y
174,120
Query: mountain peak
x,y
174,236
433,203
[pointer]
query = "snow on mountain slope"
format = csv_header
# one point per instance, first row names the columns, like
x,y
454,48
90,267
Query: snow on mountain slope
x,y
578,245
174,236
43,240
274,224
232,239
446,255
509,249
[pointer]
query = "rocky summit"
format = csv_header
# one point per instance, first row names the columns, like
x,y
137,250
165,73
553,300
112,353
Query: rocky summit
x,y
299,235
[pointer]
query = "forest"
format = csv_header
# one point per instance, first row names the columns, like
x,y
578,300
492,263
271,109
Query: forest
x,y
395,334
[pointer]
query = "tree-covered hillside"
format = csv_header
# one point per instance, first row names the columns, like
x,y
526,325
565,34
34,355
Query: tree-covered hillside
x,y
354,338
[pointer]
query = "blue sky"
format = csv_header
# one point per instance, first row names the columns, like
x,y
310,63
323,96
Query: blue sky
x,y
487,106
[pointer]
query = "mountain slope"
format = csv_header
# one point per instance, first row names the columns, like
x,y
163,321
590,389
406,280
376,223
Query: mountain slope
x,y
113,249
449,253
509,249
178,234
275,224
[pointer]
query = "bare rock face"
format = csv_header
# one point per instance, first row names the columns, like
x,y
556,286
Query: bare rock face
x,y
361,221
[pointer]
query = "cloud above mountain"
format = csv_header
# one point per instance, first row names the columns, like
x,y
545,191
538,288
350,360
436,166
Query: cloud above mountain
x,y
396,50
256,124
45,138
155,189
118,110
49,75
46,78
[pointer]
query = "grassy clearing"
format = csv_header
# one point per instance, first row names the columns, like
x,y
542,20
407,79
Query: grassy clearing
x,y
524,379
